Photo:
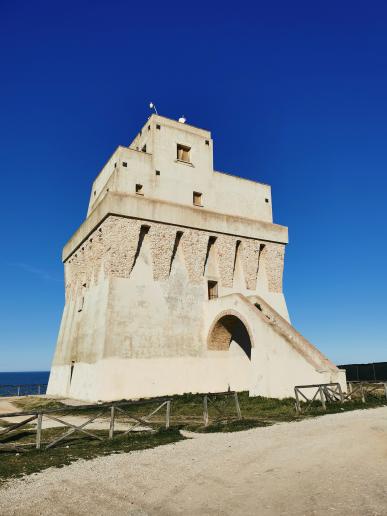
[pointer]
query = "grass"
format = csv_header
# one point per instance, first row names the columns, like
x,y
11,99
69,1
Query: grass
x,y
15,465
187,413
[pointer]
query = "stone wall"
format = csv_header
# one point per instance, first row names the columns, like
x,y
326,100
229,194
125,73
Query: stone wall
x,y
112,248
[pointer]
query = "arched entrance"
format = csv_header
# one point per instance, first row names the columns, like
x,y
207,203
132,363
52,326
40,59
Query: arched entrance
x,y
229,330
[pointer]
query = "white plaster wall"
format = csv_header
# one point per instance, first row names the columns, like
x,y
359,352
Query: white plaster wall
x,y
222,193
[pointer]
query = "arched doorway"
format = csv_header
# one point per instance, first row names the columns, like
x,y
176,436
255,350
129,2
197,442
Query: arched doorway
x,y
228,331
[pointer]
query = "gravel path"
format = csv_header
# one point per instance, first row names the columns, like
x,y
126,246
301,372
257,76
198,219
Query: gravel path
x,y
335,464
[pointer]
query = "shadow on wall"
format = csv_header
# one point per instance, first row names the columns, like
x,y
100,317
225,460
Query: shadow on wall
x,y
227,329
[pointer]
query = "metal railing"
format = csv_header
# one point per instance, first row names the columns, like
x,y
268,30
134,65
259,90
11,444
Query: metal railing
x,y
27,389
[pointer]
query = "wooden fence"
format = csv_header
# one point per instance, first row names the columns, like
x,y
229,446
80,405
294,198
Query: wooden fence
x,y
332,393
101,409
111,410
212,398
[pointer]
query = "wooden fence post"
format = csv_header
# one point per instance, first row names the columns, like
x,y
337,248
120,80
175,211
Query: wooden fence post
x,y
205,410
350,390
112,416
39,431
362,393
168,414
385,390
298,405
340,393
237,406
322,398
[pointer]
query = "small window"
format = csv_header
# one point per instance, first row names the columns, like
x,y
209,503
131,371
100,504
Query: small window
x,y
95,193
266,200
124,164
148,127
144,148
207,142
212,289
139,190
197,199
183,153
158,126
81,303
157,172
71,370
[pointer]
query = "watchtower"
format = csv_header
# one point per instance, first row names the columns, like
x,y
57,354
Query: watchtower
x,y
174,281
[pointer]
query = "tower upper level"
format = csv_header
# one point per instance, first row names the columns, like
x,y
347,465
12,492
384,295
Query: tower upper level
x,y
170,161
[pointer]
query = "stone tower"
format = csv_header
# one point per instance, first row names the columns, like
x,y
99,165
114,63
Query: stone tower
x,y
174,281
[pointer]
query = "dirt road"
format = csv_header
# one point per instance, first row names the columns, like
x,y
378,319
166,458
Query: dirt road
x,y
330,465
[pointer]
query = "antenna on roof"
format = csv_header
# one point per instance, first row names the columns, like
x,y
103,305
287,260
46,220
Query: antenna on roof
x,y
152,106
182,119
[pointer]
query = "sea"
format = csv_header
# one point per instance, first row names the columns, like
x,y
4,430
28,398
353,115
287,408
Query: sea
x,y
23,382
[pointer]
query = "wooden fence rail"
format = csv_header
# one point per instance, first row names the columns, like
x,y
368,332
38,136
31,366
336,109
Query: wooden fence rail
x,y
324,392
111,408
364,389
211,398
332,392
135,422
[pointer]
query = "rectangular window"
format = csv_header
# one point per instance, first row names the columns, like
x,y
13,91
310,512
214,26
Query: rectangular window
x,y
183,153
139,190
197,199
212,289
158,126
124,164
144,148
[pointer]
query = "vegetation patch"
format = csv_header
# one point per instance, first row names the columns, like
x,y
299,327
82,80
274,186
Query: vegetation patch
x,y
82,447
236,425
31,403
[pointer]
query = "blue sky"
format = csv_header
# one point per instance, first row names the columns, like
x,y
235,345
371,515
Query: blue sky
x,y
295,96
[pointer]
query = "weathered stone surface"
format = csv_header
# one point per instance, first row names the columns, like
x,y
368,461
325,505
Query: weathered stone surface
x,y
250,257
273,257
225,249
116,241
162,239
